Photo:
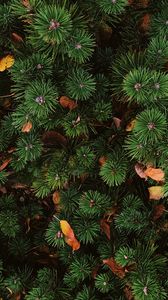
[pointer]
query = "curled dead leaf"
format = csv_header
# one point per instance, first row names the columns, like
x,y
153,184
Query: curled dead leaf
x,y
5,164
115,268
105,226
16,37
117,122
139,169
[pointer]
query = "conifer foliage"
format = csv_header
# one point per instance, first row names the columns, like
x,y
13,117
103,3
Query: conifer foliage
x,y
83,149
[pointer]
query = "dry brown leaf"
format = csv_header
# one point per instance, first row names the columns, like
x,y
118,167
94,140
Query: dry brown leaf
x,y
128,293
145,22
27,127
115,268
139,169
56,197
5,164
26,3
117,122
154,173
102,160
11,150
105,226
53,138
155,192
3,189
19,185
110,214
158,211
16,37
66,102
130,126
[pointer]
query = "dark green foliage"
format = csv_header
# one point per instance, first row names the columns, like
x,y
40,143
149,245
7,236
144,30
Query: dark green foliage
x,y
83,72
80,84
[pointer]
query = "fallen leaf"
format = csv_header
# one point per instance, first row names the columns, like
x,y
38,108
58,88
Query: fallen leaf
x,y
5,163
110,214
94,271
155,192
53,138
139,169
102,160
26,3
115,268
66,102
70,238
27,127
6,62
3,189
155,174
16,37
11,150
105,226
56,197
128,293
158,211
145,22
130,126
117,122
19,185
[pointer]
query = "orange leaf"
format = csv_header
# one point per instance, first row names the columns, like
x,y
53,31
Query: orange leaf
x,y
74,243
155,174
6,62
5,163
70,238
158,211
130,126
27,127
67,102
16,37
117,122
56,197
115,268
102,160
155,192
105,226
139,168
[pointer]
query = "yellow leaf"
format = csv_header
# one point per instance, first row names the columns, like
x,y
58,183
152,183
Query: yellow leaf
x,y
6,62
130,126
66,228
155,192
155,174
70,238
